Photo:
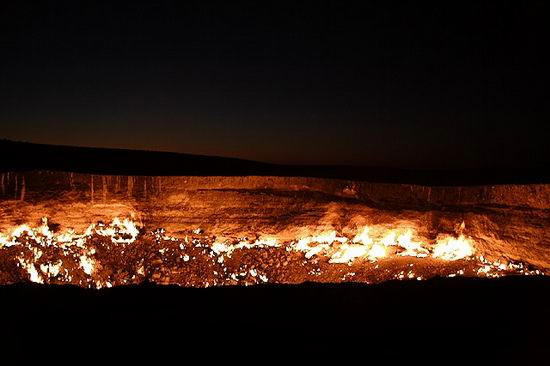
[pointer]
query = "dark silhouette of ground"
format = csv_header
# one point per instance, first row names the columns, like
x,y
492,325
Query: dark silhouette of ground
x,y
477,310
21,156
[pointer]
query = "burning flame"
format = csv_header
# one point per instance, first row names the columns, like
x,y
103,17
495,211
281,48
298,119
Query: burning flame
x,y
412,248
120,231
363,237
323,241
341,249
364,246
452,249
262,242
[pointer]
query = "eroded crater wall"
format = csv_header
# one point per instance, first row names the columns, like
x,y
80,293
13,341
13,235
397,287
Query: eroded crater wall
x,y
509,220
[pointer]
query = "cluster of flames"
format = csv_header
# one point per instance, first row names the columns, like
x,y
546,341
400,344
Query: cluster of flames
x,y
341,249
123,231
365,246
120,231
370,243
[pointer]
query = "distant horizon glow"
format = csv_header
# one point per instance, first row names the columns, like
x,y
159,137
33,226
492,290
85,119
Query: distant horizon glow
x,y
369,84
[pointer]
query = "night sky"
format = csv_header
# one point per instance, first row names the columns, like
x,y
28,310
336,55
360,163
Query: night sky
x,y
397,84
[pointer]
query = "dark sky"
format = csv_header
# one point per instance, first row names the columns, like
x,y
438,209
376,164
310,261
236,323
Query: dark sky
x,y
401,84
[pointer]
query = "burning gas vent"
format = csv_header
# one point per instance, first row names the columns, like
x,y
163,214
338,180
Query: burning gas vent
x,y
104,231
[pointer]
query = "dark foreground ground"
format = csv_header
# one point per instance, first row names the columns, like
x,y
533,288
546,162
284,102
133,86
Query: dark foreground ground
x,y
434,313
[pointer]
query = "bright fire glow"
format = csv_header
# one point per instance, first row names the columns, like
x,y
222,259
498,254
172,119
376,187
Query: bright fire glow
x,y
363,236
355,246
412,248
452,249
322,241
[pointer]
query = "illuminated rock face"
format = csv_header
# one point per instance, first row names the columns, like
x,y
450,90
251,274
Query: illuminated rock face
x,y
101,231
